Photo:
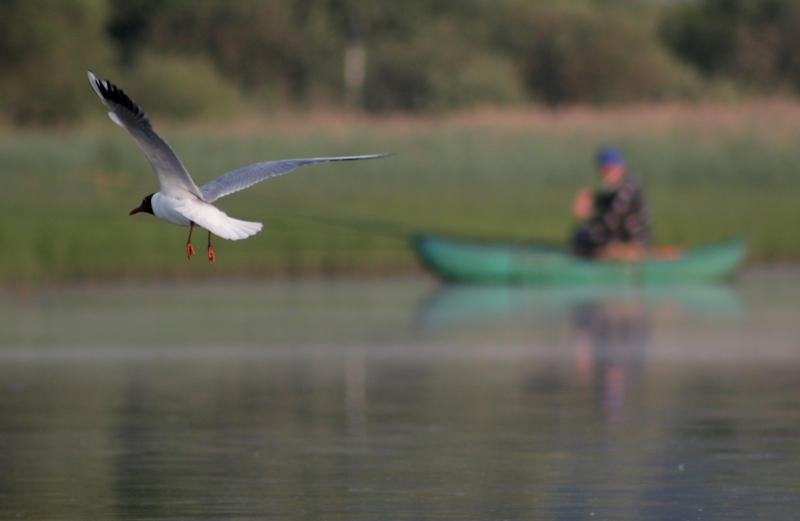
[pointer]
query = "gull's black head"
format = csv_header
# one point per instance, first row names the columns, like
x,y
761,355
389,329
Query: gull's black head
x,y
146,206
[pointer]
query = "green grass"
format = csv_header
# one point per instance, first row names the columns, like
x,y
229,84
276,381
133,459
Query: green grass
x,y
64,197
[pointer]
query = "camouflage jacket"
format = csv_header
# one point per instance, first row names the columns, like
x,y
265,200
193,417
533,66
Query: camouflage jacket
x,y
620,214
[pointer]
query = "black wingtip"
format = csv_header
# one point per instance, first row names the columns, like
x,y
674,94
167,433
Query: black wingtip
x,y
113,94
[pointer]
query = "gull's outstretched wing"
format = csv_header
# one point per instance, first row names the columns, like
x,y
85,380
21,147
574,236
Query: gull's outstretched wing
x,y
246,176
171,174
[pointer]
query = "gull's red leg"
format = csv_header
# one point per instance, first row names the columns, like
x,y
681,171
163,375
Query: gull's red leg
x,y
189,247
211,256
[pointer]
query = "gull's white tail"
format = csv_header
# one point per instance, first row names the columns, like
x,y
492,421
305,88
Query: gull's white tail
x,y
217,222
234,229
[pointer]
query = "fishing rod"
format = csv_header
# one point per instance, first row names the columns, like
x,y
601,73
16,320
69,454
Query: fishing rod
x,y
323,216
392,229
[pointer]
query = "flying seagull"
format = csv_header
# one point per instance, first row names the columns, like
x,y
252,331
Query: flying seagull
x,y
179,200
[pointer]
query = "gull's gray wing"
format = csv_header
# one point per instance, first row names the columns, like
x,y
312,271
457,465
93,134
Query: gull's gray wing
x,y
246,176
171,174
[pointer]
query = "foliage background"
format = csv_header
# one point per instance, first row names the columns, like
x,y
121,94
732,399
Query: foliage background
x,y
200,58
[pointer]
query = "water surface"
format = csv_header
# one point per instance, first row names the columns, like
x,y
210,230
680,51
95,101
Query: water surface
x,y
400,399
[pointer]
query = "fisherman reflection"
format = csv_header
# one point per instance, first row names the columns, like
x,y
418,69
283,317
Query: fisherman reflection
x,y
611,338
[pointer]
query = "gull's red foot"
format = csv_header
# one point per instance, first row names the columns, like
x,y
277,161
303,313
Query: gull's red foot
x,y
211,256
189,247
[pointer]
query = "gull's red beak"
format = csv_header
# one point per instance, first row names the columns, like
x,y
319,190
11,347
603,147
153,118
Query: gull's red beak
x,y
136,210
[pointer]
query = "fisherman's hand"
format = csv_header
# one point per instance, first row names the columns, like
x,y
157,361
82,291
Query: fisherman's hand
x,y
583,204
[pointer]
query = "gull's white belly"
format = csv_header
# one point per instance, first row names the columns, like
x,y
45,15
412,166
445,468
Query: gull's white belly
x,y
164,207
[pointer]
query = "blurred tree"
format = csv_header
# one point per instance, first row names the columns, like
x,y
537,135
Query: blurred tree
x,y
280,45
181,87
130,24
584,51
435,60
756,42
46,48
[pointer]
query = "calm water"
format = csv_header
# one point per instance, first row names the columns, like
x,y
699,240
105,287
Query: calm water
x,y
400,399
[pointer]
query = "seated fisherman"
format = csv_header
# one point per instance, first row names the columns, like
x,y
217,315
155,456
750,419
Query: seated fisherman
x,y
615,220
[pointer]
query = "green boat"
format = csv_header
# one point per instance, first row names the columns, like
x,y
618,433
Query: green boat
x,y
470,261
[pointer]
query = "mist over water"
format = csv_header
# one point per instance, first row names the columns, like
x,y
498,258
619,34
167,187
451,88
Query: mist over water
x,y
400,399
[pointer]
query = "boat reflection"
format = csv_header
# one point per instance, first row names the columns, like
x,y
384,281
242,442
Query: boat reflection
x,y
609,329
456,305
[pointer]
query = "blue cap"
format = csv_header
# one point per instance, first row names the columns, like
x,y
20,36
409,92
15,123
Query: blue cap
x,y
610,156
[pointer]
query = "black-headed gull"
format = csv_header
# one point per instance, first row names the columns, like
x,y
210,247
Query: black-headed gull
x,y
180,201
